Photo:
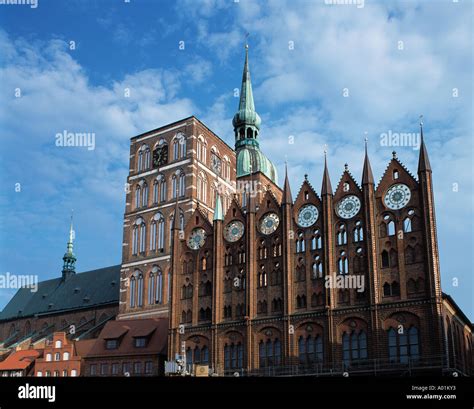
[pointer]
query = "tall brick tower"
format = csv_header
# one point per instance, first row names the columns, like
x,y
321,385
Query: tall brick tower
x,y
184,163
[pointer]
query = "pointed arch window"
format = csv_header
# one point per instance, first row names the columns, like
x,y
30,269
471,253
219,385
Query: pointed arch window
x,y
142,237
138,196
162,188
174,186
317,268
153,236
300,243
140,290
358,232
155,192
182,145
202,188
133,291
176,149
135,240
407,227
182,184
159,286
140,160
341,235
147,158
151,288
385,259
144,194
342,263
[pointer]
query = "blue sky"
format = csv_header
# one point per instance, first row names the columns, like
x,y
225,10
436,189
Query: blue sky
x,y
322,74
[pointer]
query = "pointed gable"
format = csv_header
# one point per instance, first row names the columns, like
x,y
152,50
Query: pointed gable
x,y
306,195
395,172
234,212
198,219
347,185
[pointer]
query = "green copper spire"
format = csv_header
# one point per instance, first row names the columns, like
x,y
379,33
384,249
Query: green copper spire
x,y
218,213
246,120
69,266
246,124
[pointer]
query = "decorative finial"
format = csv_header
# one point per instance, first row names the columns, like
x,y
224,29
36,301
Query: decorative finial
x,y
246,41
394,154
325,149
421,120
305,176
346,166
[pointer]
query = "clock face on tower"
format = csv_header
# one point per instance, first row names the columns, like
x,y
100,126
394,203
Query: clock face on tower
x,y
269,223
397,196
160,156
196,239
234,231
307,215
348,207
216,164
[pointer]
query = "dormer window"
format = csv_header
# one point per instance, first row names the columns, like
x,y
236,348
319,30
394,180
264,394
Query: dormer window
x,y
111,344
140,342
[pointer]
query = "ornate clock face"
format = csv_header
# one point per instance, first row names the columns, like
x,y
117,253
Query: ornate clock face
x,y
216,164
397,196
348,207
197,238
269,223
308,215
234,231
160,156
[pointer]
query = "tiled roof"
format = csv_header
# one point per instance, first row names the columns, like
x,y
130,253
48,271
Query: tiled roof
x,y
83,290
19,360
127,330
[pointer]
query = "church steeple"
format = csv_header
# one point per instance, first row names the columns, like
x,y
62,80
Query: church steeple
x,y
423,161
69,266
246,120
287,199
367,175
326,187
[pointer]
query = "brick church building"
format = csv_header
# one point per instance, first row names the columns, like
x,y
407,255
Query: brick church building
x,y
257,280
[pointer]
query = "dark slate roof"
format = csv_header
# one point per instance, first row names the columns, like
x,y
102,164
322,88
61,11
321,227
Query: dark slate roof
x,y
83,290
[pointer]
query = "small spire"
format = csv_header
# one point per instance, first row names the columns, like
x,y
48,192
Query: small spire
x,y
346,167
326,187
367,175
394,155
218,213
423,161
287,199
69,259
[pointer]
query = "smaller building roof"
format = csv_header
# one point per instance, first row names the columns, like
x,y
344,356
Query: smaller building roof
x,y
156,329
20,360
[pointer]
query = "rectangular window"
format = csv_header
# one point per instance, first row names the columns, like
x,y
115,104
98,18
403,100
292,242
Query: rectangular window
x,y
93,369
149,367
104,369
126,368
115,369
137,368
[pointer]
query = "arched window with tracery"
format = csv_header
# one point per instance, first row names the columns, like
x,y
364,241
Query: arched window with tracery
x,y
403,345
354,347
341,235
